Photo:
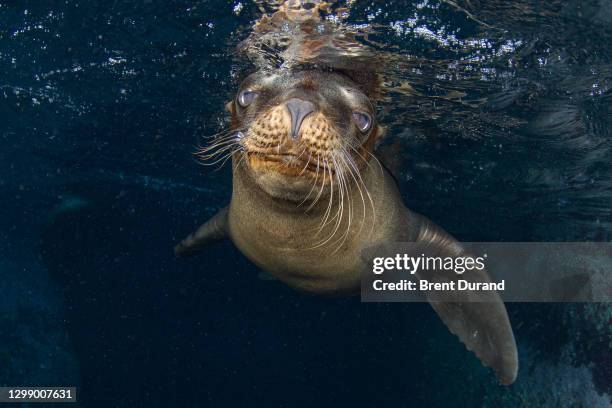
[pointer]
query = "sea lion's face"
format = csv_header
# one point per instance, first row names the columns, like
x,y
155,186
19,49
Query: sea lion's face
x,y
303,132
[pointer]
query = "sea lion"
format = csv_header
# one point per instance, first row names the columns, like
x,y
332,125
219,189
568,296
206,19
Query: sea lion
x,y
309,195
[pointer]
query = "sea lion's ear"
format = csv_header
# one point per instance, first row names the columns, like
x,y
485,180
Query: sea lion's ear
x,y
230,107
380,133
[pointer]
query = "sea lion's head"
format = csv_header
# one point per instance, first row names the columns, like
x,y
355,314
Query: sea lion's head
x,y
302,133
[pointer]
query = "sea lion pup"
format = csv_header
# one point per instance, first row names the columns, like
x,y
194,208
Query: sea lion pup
x,y
309,196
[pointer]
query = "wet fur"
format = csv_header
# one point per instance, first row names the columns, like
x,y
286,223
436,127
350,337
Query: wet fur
x,y
308,225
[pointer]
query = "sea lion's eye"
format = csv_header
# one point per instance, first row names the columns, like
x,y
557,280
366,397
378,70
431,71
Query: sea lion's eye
x,y
246,97
363,121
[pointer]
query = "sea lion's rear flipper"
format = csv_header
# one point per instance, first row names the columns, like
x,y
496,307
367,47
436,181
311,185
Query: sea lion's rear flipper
x,y
215,229
478,318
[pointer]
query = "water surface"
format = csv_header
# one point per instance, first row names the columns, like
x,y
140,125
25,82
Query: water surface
x,y
498,120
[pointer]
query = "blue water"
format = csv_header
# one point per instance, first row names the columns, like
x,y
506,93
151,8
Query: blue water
x,y
505,135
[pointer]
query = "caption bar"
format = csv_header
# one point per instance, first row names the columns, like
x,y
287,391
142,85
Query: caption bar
x,y
516,271
37,394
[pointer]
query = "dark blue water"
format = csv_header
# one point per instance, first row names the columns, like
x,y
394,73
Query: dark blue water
x,y
503,133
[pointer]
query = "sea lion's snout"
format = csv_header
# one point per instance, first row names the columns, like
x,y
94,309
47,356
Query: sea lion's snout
x,y
298,109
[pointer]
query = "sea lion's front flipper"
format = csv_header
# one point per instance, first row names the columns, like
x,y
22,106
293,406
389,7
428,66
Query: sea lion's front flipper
x,y
478,318
215,229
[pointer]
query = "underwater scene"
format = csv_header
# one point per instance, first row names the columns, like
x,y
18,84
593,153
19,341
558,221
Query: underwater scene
x,y
122,124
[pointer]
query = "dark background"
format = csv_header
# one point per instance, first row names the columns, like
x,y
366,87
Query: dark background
x,y
102,104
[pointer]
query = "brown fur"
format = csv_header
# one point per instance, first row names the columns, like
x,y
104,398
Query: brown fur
x,y
320,249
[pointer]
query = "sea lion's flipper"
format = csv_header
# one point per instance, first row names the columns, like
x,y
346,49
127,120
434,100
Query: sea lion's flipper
x,y
215,229
478,318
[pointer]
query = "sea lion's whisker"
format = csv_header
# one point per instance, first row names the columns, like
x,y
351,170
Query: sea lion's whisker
x,y
340,191
301,154
345,163
340,178
217,144
351,167
235,165
221,133
217,147
373,223
314,183
344,194
229,139
339,194
223,150
222,159
207,156
356,172
347,187
340,212
352,170
229,135
320,193
331,195
307,163
342,238
377,161
220,146
226,159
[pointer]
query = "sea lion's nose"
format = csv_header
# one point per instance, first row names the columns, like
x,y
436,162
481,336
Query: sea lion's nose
x,y
298,109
